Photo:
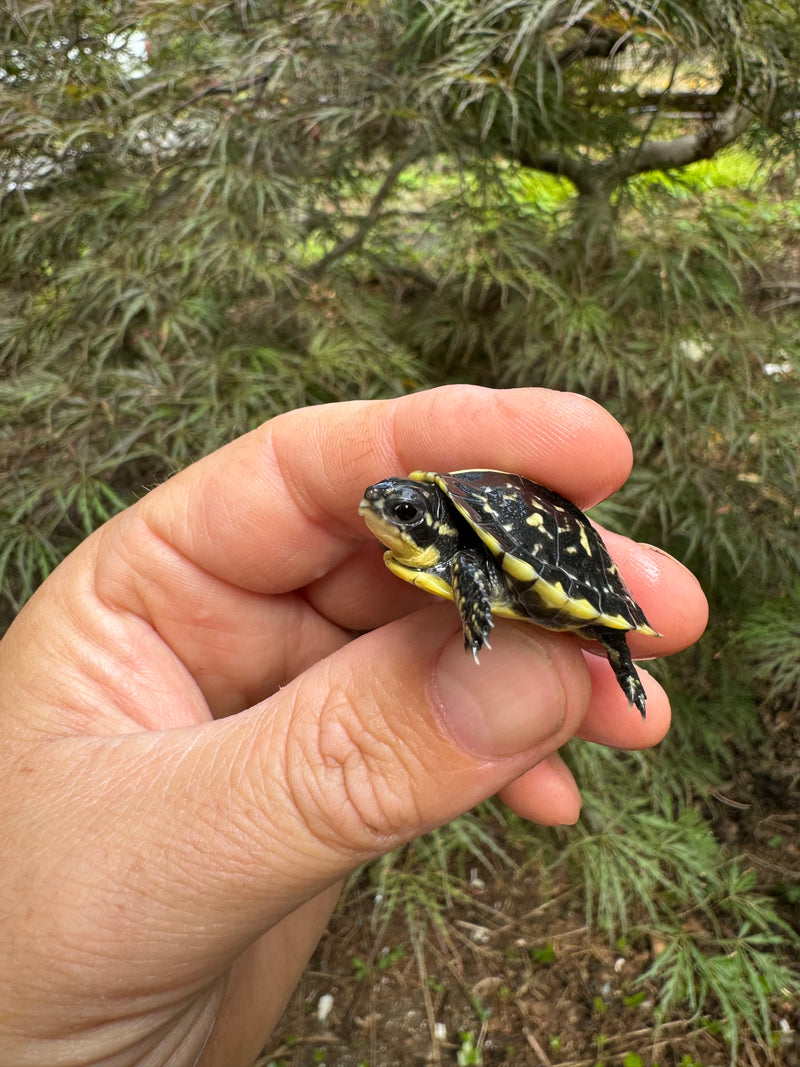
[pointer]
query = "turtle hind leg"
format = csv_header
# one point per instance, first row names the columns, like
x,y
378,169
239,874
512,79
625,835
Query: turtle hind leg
x,y
615,643
472,595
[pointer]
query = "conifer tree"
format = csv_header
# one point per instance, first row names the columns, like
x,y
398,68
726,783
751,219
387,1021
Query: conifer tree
x,y
213,212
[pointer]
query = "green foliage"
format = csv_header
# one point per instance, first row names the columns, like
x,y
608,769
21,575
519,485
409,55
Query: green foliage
x,y
769,639
426,876
629,854
364,970
726,951
469,1054
726,962
80,443
211,214
734,168
543,955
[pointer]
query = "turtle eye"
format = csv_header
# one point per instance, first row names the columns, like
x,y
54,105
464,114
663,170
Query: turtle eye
x,y
405,506
403,511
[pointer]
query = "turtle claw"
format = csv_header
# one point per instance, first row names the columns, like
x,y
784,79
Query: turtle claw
x,y
475,647
616,646
471,595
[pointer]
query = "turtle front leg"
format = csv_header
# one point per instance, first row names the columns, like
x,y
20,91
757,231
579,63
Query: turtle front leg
x,y
615,643
472,595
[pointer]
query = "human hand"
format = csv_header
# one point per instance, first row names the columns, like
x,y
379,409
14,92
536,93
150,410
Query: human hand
x,y
196,750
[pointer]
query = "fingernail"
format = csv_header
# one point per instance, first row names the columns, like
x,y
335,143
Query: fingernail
x,y
508,703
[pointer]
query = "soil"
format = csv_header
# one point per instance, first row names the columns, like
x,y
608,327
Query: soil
x,y
515,968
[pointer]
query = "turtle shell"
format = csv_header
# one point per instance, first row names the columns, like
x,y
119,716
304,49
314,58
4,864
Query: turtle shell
x,y
556,567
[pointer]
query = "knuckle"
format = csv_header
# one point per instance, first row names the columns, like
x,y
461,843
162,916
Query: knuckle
x,y
350,775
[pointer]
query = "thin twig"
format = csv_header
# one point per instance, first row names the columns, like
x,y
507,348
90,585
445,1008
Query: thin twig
x,y
628,1038
363,228
419,954
224,89
537,1048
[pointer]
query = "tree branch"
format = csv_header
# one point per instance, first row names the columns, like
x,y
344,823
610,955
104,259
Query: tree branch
x,y
356,239
591,177
225,89
712,136
584,174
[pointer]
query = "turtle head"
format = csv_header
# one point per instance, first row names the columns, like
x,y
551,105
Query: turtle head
x,y
413,520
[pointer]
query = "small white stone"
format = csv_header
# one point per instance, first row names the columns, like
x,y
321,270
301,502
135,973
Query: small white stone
x,y
777,370
475,880
695,350
324,1007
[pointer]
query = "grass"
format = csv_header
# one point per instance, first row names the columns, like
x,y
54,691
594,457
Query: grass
x,y
734,168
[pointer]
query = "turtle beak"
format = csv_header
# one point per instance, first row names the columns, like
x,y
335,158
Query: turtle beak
x,y
372,495
371,510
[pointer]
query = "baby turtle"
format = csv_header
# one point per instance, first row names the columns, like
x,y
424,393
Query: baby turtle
x,y
498,544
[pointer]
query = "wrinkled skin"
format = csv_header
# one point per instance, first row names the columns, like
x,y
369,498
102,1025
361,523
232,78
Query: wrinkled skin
x,y
197,748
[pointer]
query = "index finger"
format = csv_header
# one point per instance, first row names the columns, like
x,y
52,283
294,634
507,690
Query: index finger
x,y
277,508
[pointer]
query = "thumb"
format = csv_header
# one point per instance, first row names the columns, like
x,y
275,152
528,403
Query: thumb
x,y
392,735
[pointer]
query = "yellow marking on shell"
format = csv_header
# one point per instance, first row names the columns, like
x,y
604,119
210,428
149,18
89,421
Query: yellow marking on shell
x,y
519,569
431,583
491,542
553,595
582,609
615,622
587,548
509,611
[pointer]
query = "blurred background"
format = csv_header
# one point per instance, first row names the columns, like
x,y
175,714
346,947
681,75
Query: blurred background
x,y
212,212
